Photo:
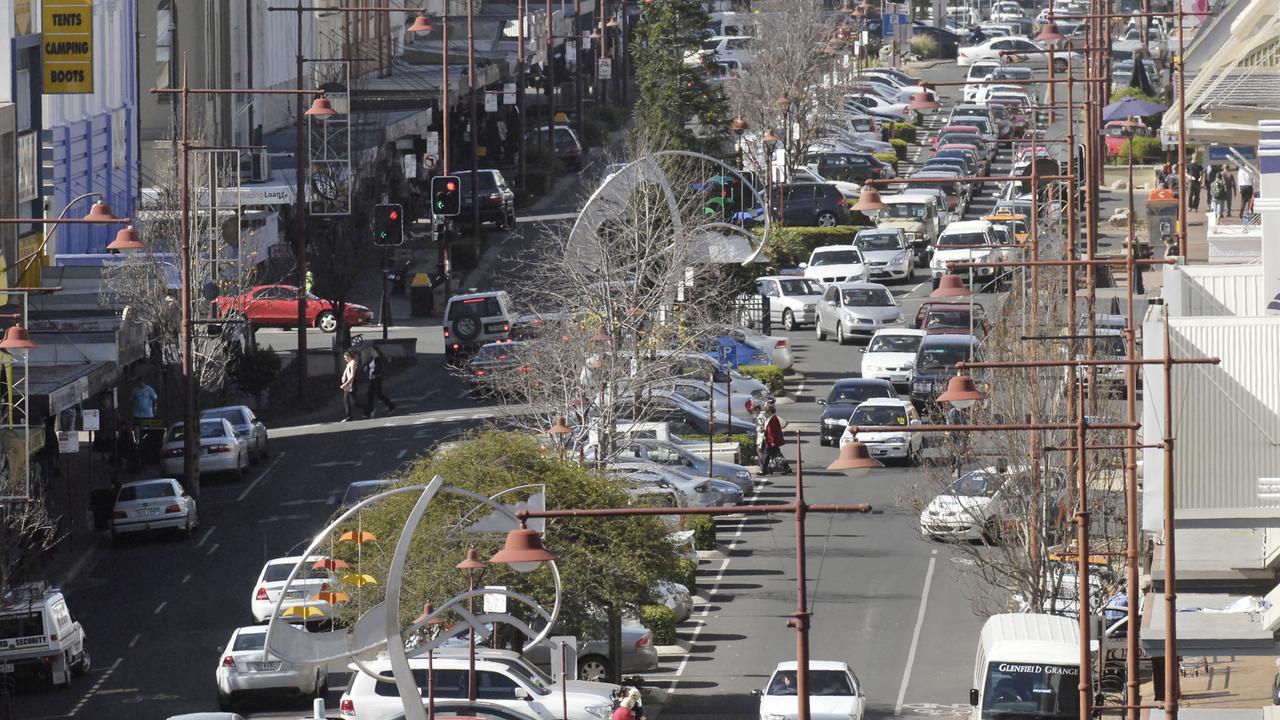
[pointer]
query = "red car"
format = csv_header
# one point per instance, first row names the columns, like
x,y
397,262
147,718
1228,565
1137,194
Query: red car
x,y
277,306
1117,135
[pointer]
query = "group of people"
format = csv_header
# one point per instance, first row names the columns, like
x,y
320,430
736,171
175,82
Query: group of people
x,y
374,369
1223,183
769,437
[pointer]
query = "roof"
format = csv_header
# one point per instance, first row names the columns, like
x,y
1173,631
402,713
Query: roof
x,y
849,382
901,198
847,246
1008,631
966,225
949,339
901,331
1201,630
148,480
848,285
885,402
814,665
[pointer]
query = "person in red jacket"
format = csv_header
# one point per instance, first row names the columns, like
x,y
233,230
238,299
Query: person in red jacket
x,y
773,439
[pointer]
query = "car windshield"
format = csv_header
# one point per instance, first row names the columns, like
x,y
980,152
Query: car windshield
x,y
146,491
1109,346
978,483
211,429
279,572
962,239
835,257
947,319
249,641
21,625
960,139
878,415
232,416
894,343
867,297
854,394
486,184
939,357
1031,691
870,242
821,682
710,44
799,286
903,210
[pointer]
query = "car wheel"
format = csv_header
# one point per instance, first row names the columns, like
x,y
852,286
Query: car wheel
x,y
913,455
593,668
322,684
62,681
991,531
788,320
826,218
81,668
467,326
1059,65
263,451
840,338
817,330
327,321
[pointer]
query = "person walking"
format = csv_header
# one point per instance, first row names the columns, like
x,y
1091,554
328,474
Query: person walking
x,y
142,401
1244,180
348,385
1229,177
773,437
1195,176
1217,195
623,711
374,370
762,454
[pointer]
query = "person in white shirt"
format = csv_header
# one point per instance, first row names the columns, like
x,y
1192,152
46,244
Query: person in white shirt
x,y
1244,181
348,386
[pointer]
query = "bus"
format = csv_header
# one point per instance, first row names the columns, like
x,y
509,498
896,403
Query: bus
x,y
1027,668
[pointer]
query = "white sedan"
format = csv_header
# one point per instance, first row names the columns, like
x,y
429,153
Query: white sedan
x,y
303,599
1013,51
246,424
153,505
891,355
889,445
221,449
791,299
834,692
245,669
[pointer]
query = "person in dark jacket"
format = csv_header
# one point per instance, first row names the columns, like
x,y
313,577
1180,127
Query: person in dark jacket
x,y
375,369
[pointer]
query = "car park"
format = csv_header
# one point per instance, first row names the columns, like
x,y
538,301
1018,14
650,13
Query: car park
x,y
855,167
687,417
689,490
778,348
159,504
277,306
845,395
792,300
801,175
736,350
246,424
302,601
220,449
700,391
40,639
836,263
904,446
834,692
245,669
639,655
891,355
475,319
965,242
855,309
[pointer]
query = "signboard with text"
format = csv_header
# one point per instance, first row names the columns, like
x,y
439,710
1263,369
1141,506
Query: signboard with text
x,y
67,46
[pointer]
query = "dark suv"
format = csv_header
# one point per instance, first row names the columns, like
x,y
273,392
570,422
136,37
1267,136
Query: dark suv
x,y
848,166
818,204
497,201
935,364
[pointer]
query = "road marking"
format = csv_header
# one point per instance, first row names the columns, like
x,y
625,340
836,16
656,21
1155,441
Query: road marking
x,y
915,635
134,641
337,463
913,290
261,475
547,218
186,578
162,604
278,518
288,503
400,455
212,549
93,690
206,535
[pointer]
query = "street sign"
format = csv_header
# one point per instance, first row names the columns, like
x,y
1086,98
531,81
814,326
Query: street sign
x,y
508,93
92,420
564,655
68,442
280,250
604,69
495,602
890,22
727,356
433,143
490,102
67,47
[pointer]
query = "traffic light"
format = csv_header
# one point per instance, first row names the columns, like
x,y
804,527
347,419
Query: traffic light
x,y
388,225
446,196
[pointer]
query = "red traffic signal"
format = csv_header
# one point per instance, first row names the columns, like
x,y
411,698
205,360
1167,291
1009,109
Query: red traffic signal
x,y
446,196
388,225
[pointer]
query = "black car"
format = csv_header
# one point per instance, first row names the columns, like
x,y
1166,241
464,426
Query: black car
x,y
845,395
936,364
497,200
496,363
819,204
847,166
948,42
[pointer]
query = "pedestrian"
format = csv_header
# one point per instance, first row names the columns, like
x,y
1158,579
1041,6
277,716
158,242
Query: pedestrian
x,y
1195,176
348,385
637,706
1229,177
1244,180
1162,176
773,437
127,450
432,282
623,711
1217,195
308,281
886,131
762,451
142,402
374,370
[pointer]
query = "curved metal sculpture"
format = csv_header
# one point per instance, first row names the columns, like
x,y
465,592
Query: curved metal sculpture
x,y
381,623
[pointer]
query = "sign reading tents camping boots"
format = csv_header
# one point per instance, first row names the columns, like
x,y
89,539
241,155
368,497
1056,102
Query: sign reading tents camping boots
x,y
67,49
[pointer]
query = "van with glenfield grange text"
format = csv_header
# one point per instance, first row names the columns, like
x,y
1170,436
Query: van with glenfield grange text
x,y
1028,666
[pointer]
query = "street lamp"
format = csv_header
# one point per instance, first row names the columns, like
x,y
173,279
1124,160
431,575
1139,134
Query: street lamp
x,y
470,564
770,141
951,285
738,127
523,551
126,239
17,338
961,392
855,458
868,201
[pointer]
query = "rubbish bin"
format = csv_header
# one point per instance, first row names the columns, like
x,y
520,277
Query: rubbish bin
x,y
100,504
150,441
421,296
1162,219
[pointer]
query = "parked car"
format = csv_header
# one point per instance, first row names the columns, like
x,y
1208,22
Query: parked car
x,y
496,364
948,42
313,578
568,148
366,698
971,508
801,175
40,638
687,418
940,317
854,167
243,670
891,355
682,458
778,348
466,710
855,309
845,395
220,449
699,391
496,198
834,692
810,204
917,217
886,253
792,300
1117,134
886,445
689,490
246,423
736,351
475,319
836,263
639,655
695,365
277,306
160,504
1021,51
967,241
935,364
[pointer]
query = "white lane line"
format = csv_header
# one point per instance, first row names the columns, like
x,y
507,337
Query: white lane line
x,y
134,641
206,535
915,635
260,477
913,290
161,606
186,578
93,690
212,549
547,218
400,455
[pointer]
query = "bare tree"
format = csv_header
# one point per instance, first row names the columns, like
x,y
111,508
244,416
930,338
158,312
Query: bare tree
x,y
26,532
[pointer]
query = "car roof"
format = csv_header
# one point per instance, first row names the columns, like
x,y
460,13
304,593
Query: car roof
x,y
885,402
966,225
814,665
294,559
834,247
899,331
850,382
474,295
949,339
902,198
853,285
144,482
225,407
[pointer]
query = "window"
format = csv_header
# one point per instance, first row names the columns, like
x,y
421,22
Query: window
x,y
21,625
894,343
164,44
799,287
870,297
494,686
835,257
145,491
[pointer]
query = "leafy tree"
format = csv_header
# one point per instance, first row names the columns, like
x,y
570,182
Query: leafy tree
x,y
254,370
677,106
596,573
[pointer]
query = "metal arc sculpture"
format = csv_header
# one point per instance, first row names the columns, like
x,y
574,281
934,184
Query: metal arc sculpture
x,y
380,625
714,238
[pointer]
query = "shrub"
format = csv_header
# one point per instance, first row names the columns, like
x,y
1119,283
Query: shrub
x,y
792,245
1143,148
891,158
613,116
661,621
704,532
593,131
687,574
746,444
924,46
905,132
770,375
899,147
254,370
542,169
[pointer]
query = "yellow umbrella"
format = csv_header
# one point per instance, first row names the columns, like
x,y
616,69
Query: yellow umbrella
x,y
359,580
357,537
332,597
303,612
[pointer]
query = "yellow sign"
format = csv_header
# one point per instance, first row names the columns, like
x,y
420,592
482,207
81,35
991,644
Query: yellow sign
x,y
68,46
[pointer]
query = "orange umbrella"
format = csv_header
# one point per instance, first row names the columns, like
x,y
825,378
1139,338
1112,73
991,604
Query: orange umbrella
x,y
331,596
330,564
357,537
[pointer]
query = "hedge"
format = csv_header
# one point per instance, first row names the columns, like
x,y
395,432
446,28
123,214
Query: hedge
x,y
790,246
924,46
746,444
899,148
905,132
770,375
661,621
891,158
687,574
1144,148
704,532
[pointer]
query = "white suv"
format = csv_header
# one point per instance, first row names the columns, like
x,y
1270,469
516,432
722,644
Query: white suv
x,y
38,636
473,320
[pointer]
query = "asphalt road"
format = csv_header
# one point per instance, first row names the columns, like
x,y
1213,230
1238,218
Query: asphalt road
x,y
159,610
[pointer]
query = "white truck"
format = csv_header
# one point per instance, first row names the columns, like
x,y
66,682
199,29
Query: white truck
x,y
38,636
1027,666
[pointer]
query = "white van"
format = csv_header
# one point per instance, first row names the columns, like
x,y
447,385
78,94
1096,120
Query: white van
x,y
1028,665
39,636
